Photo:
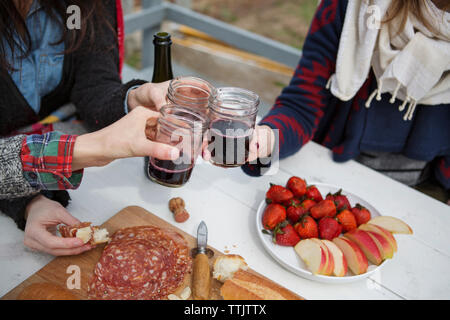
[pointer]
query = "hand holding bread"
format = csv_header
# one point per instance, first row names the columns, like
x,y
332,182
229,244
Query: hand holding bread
x,y
86,232
42,217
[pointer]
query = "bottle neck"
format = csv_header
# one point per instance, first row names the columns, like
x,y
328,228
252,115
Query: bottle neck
x,y
162,70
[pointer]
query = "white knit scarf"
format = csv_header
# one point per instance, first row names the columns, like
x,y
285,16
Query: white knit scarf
x,y
413,65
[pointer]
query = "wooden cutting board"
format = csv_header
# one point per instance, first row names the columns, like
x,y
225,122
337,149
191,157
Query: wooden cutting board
x,y
56,270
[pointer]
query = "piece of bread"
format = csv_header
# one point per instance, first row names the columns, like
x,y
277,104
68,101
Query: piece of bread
x,y
46,291
86,232
249,286
225,266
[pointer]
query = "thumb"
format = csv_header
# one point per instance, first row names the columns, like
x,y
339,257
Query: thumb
x,y
160,150
159,102
206,154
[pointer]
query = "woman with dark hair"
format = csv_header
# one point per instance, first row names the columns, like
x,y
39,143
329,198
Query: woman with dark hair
x,y
45,65
373,84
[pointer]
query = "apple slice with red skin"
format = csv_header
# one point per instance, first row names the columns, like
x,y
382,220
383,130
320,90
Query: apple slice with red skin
x,y
356,260
329,265
340,263
391,224
312,254
366,244
381,231
385,247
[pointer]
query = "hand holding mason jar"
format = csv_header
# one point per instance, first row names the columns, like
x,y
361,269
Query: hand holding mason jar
x,y
217,122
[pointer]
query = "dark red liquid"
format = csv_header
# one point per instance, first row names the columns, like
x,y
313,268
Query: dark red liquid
x,y
229,142
169,173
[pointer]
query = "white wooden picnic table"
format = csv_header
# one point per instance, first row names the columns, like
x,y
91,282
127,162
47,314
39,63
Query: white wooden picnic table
x,y
227,200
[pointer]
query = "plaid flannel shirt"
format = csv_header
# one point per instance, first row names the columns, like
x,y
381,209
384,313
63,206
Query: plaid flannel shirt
x,y
47,161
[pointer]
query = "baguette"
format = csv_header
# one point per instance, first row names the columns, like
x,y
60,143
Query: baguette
x,y
248,286
46,291
225,266
92,234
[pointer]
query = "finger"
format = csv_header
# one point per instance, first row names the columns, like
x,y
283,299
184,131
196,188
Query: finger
x,y
149,114
151,122
160,102
160,98
206,154
150,133
50,241
65,217
253,148
160,151
60,252
70,252
252,156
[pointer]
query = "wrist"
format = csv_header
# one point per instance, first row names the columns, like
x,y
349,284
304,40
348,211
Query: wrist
x,y
90,150
133,100
31,204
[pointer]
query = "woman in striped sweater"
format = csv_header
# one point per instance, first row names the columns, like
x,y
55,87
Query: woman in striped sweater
x,y
373,84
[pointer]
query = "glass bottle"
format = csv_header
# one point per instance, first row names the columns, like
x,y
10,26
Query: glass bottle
x,y
162,69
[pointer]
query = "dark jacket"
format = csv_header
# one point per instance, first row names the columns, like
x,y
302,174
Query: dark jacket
x,y
91,80
306,110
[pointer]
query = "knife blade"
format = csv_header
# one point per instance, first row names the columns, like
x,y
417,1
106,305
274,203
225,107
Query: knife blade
x,y
202,237
201,278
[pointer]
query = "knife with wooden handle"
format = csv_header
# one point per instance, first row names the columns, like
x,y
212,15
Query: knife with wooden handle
x,y
201,278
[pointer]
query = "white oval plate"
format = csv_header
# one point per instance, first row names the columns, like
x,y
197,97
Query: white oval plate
x,y
289,259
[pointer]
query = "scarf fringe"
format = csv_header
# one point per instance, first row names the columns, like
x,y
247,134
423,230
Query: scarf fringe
x,y
376,94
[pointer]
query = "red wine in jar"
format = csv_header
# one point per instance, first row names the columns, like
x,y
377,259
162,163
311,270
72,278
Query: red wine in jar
x,y
229,142
169,173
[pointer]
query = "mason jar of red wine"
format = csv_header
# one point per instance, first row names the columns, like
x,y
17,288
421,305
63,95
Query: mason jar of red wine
x,y
184,129
232,116
191,92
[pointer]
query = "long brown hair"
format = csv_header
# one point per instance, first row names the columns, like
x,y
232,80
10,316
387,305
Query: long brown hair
x,y
401,8
13,23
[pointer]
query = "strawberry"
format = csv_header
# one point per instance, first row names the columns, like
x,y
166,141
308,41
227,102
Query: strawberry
x,y
329,228
273,215
340,200
297,186
338,231
308,204
307,228
347,220
325,208
284,234
295,210
361,214
278,194
313,193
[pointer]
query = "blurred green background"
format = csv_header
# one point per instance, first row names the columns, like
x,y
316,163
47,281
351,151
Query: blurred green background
x,y
286,21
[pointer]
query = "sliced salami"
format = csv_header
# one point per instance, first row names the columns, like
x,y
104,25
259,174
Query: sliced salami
x,y
141,263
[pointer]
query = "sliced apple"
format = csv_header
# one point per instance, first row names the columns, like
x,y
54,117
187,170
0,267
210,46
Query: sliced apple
x,y
386,250
391,224
381,231
329,264
356,260
366,244
340,263
312,254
